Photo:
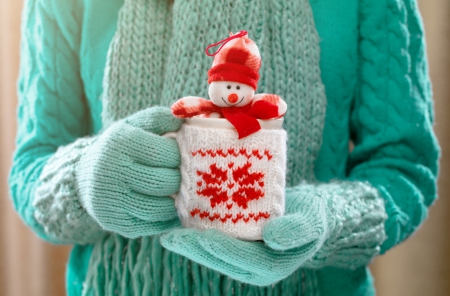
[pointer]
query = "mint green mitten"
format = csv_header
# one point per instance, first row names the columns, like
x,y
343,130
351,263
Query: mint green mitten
x,y
335,224
125,178
348,217
251,262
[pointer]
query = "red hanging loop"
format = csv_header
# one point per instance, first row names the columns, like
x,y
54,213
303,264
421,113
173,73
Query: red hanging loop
x,y
224,41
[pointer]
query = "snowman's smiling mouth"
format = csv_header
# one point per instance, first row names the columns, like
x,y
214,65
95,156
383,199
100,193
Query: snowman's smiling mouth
x,y
231,105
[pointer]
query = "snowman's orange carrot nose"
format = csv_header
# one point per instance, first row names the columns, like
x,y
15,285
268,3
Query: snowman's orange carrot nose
x,y
233,98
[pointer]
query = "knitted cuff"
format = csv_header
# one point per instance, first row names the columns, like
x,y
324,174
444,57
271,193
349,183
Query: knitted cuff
x,y
355,216
56,203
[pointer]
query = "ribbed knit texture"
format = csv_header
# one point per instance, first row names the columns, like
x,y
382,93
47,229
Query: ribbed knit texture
x,y
144,267
134,73
379,88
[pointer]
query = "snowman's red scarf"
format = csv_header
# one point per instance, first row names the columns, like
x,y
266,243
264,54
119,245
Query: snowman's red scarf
x,y
244,119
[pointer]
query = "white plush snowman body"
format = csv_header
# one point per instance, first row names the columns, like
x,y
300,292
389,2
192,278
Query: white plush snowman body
x,y
225,94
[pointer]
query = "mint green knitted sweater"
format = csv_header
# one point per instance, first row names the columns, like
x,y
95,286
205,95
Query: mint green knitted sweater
x,y
373,68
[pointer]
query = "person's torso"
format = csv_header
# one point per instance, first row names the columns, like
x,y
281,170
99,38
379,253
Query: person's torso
x,y
318,144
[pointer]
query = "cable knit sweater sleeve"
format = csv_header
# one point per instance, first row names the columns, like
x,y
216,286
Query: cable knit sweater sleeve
x,y
52,113
395,147
393,168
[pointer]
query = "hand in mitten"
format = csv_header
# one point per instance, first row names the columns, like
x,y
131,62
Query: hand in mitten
x,y
126,176
348,216
336,224
256,262
249,262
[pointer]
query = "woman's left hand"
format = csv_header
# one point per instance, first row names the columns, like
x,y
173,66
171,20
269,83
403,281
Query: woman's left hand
x,y
255,262
335,224
249,262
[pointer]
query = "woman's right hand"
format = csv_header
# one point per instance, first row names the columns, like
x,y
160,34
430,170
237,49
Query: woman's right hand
x,y
125,178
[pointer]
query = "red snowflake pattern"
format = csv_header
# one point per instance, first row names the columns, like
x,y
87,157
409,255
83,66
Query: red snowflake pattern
x,y
248,185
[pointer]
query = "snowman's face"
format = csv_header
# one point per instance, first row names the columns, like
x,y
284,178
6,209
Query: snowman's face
x,y
228,94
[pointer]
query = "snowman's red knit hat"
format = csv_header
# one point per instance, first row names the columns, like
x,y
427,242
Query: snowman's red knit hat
x,y
238,61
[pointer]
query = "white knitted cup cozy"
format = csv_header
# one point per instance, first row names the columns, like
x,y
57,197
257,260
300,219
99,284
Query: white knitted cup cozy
x,y
233,185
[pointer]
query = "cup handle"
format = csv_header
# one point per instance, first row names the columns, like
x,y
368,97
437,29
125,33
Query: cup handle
x,y
171,135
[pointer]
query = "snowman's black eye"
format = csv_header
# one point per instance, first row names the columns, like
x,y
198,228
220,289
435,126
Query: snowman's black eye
x,y
229,86
238,87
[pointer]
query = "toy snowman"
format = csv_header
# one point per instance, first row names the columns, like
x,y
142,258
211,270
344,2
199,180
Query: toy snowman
x,y
233,80
232,182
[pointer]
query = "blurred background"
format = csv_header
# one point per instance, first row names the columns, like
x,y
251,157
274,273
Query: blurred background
x,y
420,266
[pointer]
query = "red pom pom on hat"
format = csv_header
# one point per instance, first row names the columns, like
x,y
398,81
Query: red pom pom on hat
x,y
237,60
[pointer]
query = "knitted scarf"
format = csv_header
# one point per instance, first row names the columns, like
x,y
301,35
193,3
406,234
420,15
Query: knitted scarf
x,y
156,57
